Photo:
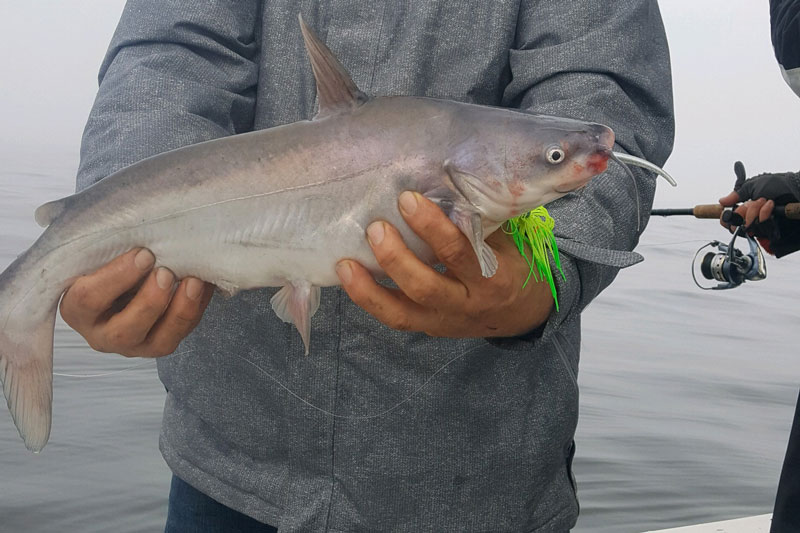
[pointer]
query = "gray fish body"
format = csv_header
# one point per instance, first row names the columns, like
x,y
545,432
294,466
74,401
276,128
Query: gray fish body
x,y
262,208
268,207
280,207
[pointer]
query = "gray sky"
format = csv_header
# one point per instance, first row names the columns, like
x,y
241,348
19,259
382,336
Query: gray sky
x,y
731,102
730,99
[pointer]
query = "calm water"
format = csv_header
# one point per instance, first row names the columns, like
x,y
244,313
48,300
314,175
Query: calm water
x,y
686,396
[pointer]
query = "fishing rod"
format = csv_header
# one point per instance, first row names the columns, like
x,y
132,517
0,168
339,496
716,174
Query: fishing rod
x,y
729,266
790,211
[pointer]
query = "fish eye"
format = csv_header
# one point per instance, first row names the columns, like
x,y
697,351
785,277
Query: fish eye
x,y
555,155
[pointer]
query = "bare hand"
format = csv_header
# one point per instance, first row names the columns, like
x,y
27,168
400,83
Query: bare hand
x,y
459,303
128,308
750,211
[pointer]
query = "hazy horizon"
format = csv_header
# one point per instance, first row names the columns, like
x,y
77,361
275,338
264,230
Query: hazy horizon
x,y
731,102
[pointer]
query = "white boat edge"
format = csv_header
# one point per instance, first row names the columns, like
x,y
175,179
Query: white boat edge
x,y
749,524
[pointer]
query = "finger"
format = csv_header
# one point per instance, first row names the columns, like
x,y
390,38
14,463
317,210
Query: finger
x,y
418,281
129,328
389,306
766,210
730,200
91,296
181,317
753,208
449,244
515,268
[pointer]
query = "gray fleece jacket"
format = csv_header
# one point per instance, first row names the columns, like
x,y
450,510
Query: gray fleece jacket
x,y
485,441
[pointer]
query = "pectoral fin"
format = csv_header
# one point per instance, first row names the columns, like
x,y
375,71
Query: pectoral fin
x,y
469,223
296,303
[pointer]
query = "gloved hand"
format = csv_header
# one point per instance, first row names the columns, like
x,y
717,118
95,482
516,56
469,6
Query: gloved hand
x,y
778,236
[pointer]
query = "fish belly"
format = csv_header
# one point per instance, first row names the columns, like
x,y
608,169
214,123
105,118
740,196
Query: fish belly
x,y
272,240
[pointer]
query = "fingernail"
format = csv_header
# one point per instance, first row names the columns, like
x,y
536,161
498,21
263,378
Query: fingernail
x,y
345,271
408,203
194,288
144,260
375,233
164,278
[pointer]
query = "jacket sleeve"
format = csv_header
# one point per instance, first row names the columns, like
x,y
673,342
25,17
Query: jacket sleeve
x,y
784,18
606,62
176,73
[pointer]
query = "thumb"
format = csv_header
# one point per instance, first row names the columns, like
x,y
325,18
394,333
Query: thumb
x,y
741,175
730,199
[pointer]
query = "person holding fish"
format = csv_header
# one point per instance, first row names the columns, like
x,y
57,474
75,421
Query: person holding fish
x,y
447,401
779,236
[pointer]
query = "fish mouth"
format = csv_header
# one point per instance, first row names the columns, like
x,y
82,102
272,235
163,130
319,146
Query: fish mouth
x,y
606,139
595,163
598,161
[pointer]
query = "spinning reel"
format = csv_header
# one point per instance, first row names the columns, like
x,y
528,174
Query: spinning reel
x,y
730,266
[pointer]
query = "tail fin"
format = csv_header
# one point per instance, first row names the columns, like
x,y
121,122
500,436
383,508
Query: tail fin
x,y
27,319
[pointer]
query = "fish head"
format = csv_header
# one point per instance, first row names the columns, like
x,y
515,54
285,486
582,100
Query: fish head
x,y
530,161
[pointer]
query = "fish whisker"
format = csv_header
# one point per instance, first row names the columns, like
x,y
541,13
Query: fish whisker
x,y
626,159
623,158
615,157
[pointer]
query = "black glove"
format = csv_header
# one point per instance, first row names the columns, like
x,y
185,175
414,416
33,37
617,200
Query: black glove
x,y
779,236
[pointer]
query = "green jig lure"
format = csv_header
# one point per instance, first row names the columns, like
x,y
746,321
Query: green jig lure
x,y
535,229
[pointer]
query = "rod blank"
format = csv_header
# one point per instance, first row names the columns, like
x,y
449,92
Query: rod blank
x,y
790,211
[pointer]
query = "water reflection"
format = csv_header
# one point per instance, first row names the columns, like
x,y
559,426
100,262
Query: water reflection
x,y
686,398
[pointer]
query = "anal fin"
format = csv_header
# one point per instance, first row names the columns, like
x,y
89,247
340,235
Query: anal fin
x,y
226,288
296,303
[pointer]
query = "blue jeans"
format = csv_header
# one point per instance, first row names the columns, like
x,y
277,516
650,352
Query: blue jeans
x,y
191,511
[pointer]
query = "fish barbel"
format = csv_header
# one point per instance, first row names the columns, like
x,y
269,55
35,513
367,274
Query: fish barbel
x,y
280,207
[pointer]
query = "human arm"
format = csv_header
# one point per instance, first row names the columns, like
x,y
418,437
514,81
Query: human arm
x,y
573,61
760,194
174,75
606,62
784,18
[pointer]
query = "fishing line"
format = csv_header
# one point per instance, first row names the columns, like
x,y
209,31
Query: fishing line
x,y
287,389
149,361
669,243
359,417
694,261
112,373
290,391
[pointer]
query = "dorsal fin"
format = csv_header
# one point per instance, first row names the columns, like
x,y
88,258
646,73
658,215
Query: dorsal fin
x,y
45,214
336,92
